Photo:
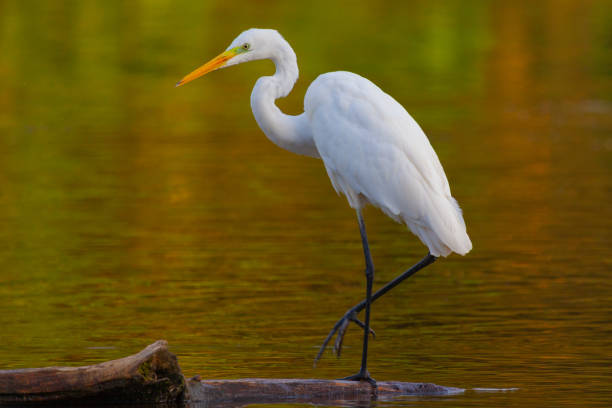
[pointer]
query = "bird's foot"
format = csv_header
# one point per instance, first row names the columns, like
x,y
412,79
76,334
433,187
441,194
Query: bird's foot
x,y
361,376
340,328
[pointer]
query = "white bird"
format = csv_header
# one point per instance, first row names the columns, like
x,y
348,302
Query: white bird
x,y
372,149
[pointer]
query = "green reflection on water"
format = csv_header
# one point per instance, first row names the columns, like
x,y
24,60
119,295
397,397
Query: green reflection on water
x,y
133,211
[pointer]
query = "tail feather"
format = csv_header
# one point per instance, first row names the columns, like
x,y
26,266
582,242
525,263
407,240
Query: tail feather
x,y
443,231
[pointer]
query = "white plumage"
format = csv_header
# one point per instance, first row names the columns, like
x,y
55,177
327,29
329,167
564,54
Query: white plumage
x,y
374,152
372,149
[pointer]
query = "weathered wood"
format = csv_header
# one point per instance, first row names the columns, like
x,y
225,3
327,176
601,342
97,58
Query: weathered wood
x,y
154,376
258,390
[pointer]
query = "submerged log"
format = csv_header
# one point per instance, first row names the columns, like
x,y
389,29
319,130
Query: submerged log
x,y
154,376
326,392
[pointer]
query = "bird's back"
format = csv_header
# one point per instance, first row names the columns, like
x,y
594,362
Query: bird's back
x,y
374,152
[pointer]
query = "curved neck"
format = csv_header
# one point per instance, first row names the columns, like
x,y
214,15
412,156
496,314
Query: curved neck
x,y
286,131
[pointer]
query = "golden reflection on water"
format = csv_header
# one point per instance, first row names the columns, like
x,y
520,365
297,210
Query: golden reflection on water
x,y
133,211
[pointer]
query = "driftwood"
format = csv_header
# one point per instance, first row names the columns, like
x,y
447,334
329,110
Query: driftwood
x,y
154,376
326,392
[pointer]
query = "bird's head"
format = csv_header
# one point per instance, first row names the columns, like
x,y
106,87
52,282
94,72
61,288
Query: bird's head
x,y
250,45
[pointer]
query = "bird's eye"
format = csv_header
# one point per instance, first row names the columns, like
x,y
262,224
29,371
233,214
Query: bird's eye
x,y
246,46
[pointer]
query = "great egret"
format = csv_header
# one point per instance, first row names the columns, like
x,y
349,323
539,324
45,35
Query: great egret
x,y
372,149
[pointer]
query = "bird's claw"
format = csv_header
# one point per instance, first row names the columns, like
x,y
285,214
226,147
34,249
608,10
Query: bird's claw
x,y
340,328
353,318
361,376
340,336
349,317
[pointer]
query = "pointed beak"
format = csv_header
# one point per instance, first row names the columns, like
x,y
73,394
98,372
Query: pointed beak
x,y
218,62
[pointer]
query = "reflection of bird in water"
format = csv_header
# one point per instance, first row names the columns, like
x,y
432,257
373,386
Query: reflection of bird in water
x,y
372,149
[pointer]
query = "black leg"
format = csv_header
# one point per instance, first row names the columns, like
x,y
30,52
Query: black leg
x,y
351,315
369,273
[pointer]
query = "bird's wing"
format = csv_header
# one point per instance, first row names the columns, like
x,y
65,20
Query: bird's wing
x,y
373,149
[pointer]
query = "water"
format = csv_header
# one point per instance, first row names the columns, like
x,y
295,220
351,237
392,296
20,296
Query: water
x,y
132,211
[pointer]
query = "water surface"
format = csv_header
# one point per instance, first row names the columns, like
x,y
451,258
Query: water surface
x,y
132,211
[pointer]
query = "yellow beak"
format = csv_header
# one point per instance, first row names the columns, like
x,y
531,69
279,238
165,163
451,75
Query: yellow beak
x,y
215,63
